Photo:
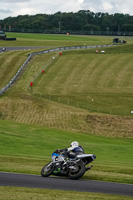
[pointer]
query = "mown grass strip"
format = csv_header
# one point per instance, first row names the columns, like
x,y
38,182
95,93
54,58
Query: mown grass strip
x,y
45,194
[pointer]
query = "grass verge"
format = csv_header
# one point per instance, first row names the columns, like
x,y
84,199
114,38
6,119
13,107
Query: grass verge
x,y
16,193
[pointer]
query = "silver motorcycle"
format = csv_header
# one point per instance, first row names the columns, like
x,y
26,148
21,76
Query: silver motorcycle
x,y
74,168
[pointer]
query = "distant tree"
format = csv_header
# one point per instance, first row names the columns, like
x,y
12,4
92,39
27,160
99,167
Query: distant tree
x,y
91,27
127,27
83,20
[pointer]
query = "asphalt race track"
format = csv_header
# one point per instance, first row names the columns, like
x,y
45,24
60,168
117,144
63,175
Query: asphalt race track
x,y
19,48
34,181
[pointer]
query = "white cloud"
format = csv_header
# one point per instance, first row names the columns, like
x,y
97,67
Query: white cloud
x,y
107,6
13,1
80,1
92,5
32,7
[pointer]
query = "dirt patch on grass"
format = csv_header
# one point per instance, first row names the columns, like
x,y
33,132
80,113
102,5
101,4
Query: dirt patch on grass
x,y
115,126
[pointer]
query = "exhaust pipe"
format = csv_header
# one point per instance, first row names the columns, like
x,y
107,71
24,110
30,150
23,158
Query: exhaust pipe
x,y
89,167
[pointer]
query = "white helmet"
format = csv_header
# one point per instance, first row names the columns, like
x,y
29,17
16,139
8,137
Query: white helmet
x,y
74,144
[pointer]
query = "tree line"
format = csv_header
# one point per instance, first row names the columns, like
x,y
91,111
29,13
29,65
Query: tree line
x,y
81,21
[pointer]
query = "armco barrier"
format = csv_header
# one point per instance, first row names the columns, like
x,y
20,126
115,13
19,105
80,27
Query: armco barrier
x,y
44,52
16,75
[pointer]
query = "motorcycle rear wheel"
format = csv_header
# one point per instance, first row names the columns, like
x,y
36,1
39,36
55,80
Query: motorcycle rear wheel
x,y
72,174
47,170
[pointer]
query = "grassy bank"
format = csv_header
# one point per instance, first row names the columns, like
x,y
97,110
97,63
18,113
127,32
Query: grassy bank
x,y
101,83
97,83
74,93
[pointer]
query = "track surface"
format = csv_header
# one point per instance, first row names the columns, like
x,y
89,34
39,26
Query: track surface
x,y
18,48
34,181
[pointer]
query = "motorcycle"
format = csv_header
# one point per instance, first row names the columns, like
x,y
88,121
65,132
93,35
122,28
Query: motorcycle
x,y
74,168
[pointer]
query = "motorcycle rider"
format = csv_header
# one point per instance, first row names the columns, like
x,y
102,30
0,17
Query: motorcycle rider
x,y
71,151
67,162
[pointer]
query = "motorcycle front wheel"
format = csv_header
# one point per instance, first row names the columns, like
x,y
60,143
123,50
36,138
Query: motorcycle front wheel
x,y
47,170
77,170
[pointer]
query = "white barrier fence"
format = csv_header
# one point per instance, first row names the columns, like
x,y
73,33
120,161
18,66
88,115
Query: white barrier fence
x,y
47,51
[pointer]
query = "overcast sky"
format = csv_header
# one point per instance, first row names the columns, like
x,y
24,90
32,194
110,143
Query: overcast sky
x,y
14,8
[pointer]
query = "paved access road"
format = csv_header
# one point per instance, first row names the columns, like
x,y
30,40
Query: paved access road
x,y
34,181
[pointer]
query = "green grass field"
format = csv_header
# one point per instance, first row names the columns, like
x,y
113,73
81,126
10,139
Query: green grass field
x,y
28,39
81,96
